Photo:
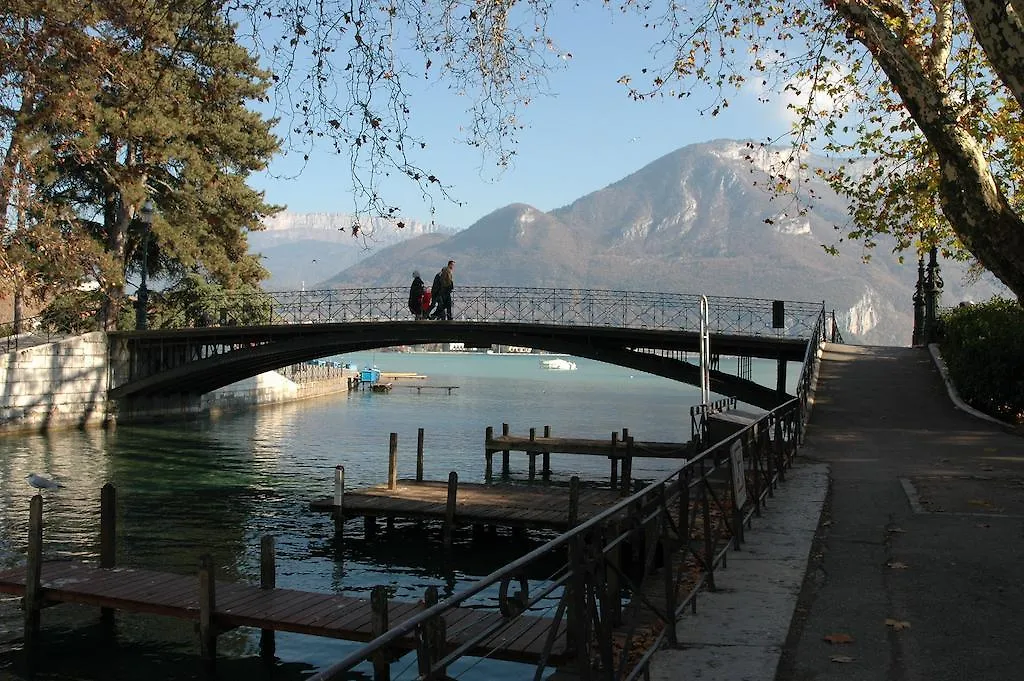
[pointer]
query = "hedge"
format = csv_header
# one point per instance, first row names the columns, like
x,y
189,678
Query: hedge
x,y
983,347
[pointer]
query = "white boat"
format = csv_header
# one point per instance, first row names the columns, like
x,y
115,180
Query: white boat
x,y
558,364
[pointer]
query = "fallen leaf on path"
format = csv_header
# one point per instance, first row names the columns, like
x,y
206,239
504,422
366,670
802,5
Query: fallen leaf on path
x,y
980,502
842,658
897,625
896,565
839,638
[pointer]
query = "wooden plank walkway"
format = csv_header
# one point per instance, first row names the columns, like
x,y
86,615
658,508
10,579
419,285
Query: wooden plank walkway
x,y
528,506
242,605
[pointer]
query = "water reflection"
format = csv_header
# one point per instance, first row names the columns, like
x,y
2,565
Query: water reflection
x,y
185,489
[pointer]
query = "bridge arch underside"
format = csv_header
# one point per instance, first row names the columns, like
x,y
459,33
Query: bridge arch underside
x,y
232,354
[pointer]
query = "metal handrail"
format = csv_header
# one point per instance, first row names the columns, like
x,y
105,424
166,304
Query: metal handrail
x,y
585,307
703,465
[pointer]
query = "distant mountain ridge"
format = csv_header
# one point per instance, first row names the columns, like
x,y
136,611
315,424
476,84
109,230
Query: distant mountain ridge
x,y
696,220
301,249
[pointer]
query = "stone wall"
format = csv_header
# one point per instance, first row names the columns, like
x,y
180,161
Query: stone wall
x,y
64,384
56,385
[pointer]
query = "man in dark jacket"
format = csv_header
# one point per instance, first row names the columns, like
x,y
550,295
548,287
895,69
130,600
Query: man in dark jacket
x,y
444,282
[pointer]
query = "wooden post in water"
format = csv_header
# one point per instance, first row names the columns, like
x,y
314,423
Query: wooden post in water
x,y
378,626
533,455
108,546
339,489
488,454
33,601
431,641
207,606
419,455
339,500
627,467
546,469
393,461
449,510
268,580
504,452
574,501
615,461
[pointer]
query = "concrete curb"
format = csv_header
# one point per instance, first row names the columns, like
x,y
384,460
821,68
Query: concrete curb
x,y
954,396
739,631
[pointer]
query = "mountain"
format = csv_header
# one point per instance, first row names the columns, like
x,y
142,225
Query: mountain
x,y
301,249
698,220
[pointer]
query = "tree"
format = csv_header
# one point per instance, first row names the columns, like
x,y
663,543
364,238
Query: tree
x,y
919,103
126,100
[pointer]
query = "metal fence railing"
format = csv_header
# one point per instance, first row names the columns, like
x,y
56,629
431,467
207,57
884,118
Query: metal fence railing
x,y
612,618
582,307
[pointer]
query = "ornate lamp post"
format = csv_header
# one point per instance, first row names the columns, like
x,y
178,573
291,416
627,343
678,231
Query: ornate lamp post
x,y
143,293
918,337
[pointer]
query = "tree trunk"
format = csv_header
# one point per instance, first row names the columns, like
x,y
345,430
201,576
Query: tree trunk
x,y
974,204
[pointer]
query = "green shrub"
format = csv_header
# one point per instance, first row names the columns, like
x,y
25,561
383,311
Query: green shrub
x,y
983,346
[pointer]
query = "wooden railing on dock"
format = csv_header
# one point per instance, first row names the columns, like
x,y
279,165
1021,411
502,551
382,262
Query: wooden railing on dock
x,y
619,449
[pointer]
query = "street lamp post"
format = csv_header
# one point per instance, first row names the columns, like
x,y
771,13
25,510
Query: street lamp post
x,y
143,293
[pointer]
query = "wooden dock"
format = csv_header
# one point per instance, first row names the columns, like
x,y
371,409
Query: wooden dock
x,y
241,605
525,506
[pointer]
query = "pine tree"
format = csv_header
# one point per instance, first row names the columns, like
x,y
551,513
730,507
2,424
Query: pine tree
x,y
140,99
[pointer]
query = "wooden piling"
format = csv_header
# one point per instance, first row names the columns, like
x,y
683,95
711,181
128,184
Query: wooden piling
x,y
108,546
339,490
533,455
627,467
546,468
393,461
431,642
268,580
574,501
449,511
33,600
614,461
207,606
419,455
369,526
504,453
489,454
378,627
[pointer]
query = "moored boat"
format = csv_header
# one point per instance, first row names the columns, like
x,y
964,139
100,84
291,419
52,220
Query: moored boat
x,y
558,364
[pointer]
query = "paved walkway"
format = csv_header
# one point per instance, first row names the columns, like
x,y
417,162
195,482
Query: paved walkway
x,y
917,568
924,530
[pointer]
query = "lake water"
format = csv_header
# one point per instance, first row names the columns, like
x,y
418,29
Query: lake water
x,y
185,489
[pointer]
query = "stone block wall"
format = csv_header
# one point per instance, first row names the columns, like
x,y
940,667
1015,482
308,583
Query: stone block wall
x,y
59,384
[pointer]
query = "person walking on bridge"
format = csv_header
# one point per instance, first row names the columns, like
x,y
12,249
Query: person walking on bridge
x,y
416,295
441,291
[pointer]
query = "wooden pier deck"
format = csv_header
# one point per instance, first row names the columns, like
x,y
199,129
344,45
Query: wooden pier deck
x,y
241,605
527,506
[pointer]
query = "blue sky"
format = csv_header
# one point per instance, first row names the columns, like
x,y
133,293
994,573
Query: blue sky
x,y
584,136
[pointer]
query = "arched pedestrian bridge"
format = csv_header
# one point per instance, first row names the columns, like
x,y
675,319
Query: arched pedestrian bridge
x,y
652,332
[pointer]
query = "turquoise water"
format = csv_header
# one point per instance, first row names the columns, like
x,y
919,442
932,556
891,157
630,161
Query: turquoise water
x,y
185,489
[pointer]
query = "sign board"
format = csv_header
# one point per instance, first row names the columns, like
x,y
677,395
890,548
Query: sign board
x,y
739,479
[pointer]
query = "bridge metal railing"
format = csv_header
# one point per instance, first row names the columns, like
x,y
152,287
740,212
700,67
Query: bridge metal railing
x,y
585,307
624,576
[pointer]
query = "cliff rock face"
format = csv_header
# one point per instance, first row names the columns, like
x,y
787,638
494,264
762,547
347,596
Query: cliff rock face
x,y
697,220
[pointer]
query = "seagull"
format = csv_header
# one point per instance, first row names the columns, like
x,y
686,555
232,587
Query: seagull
x,y
39,482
